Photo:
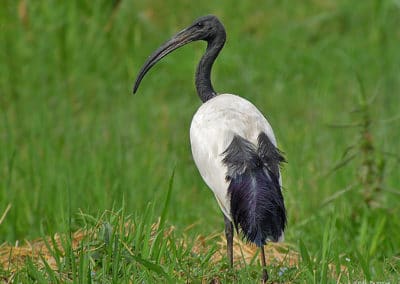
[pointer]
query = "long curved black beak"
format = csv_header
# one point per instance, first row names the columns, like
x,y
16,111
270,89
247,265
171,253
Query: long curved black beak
x,y
180,39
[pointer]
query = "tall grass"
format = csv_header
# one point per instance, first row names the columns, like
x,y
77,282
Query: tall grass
x,y
73,138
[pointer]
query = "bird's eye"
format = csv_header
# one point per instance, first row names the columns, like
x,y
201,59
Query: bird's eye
x,y
200,25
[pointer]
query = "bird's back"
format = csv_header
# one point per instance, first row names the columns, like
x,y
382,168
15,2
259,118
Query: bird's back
x,y
213,128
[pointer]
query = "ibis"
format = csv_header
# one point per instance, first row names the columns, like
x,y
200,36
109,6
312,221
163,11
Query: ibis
x,y
233,147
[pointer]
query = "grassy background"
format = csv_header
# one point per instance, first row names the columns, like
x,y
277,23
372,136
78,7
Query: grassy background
x,y
72,137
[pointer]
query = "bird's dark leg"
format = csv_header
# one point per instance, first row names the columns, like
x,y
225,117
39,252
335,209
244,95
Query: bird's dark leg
x,y
229,240
264,278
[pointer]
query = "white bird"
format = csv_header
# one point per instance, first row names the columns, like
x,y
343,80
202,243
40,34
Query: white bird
x,y
233,146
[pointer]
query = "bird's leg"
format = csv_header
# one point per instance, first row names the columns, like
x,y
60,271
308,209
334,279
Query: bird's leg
x,y
264,278
229,240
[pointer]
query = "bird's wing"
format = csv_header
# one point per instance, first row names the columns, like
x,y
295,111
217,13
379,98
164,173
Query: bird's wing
x,y
213,128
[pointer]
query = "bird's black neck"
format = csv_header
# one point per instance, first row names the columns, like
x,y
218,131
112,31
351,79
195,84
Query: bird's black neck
x,y
203,83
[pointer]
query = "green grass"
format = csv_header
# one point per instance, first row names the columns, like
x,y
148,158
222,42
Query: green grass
x,y
73,138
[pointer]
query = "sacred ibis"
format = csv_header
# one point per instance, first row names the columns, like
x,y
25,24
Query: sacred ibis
x,y
233,146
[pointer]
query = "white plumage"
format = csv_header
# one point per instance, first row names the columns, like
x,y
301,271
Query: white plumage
x,y
212,130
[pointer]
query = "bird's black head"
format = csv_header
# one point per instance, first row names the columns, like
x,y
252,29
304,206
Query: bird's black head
x,y
207,28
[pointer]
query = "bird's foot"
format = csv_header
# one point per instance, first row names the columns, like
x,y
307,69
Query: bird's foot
x,y
264,278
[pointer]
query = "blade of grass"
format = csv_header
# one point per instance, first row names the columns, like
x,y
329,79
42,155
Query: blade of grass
x,y
305,256
364,263
378,235
34,273
147,264
167,199
49,270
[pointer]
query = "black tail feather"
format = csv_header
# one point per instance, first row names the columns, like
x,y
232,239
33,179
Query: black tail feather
x,y
257,205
